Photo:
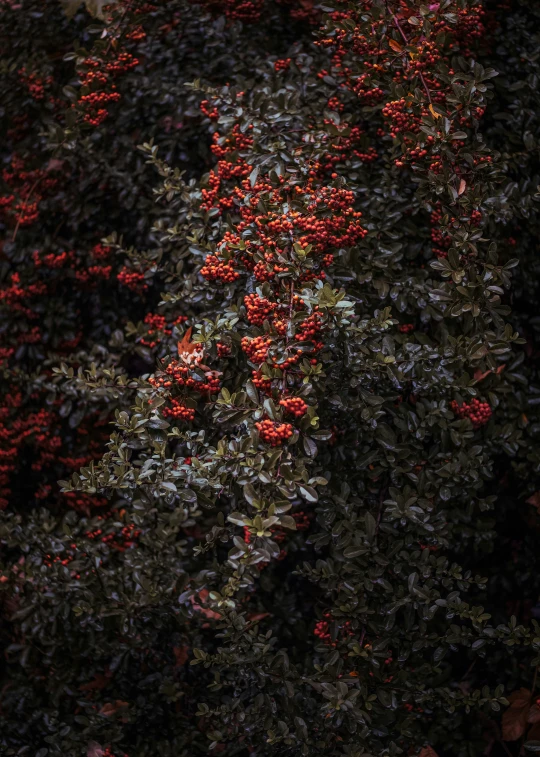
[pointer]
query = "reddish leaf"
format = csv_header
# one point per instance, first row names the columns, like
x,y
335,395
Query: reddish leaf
x,y
112,707
203,594
94,750
396,47
258,616
534,714
180,655
99,682
427,751
186,345
479,376
534,733
514,720
534,500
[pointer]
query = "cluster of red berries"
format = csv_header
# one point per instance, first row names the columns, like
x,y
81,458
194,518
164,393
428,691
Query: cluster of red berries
x,y
26,189
478,412
17,429
123,540
223,350
370,62
257,348
209,110
35,84
15,294
108,752
282,64
440,238
247,11
294,405
259,309
328,221
399,113
93,273
100,251
302,10
68,259
158,328
322,630
179,411
343,148
177,374
97,89
406,328
215,269
94,104
231,165
263,383
133,280
274,433
53,260
78,501
21,428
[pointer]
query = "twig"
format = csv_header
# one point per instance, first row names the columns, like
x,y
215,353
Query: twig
x,y
398,26
23,208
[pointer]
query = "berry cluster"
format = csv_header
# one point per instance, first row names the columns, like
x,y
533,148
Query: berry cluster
x,y
179,411
35,83
282,64
25,189
478,412
134,280
259,309
96,79
177,374
158,328
294,405
274,433
223,350
322,630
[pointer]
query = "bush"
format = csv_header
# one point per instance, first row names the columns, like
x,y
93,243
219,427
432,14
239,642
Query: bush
x,y
287,251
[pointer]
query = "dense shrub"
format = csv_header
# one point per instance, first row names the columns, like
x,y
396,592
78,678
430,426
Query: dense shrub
x,y
269,313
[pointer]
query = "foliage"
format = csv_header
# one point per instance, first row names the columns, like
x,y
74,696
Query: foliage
x,y
287,251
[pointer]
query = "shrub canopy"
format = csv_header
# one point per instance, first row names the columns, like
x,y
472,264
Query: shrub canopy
x,y
269,292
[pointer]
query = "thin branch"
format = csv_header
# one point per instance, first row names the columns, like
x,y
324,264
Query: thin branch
x,y
398,26
23,208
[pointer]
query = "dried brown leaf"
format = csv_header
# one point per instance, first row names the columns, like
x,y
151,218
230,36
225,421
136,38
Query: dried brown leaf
x,y
514,720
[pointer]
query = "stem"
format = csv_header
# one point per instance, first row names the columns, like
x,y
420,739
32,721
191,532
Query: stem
x,y
398,26
25,202
291,296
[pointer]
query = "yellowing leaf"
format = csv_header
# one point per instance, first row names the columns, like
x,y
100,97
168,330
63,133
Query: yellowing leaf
x,y
396,47
433,111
